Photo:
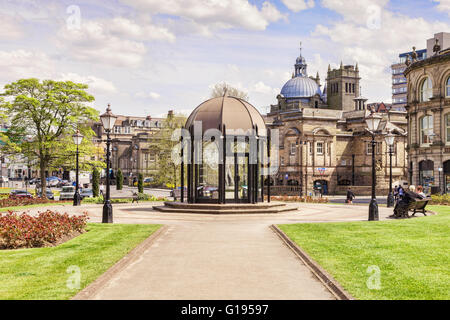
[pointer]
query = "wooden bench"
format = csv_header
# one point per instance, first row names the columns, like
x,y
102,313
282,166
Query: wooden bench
x,y
416,206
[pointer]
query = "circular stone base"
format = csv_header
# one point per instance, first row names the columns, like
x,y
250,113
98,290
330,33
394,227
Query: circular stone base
x,y
228,208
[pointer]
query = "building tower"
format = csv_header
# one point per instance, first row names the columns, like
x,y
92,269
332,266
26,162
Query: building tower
x,y
360,102
342,87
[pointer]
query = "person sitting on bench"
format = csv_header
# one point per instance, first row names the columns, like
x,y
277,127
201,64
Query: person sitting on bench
x,y
402,205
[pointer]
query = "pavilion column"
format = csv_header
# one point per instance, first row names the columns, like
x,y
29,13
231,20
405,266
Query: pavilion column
x,y
182,170
268,162
224,163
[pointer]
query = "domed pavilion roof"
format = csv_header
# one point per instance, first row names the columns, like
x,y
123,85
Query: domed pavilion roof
x,y
300,87
233,112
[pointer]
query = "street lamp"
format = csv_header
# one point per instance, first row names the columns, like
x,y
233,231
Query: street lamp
x,y
373,121
77,138
108,120
390,143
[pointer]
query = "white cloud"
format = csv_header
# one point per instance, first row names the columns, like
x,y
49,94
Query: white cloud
x,y
17,64
298,5
152,95
213,14
443,5
261,87
11,27
129,29
371,42
93,42
96,85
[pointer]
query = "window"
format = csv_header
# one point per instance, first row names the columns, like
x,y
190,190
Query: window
x,y
426,127
126,129
282,161
353,87
447,88
426,90
310,147
292,148
117,130
377,146
319,147
346,87
152,157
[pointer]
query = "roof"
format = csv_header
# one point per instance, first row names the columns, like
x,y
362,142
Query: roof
x,y
300,87
232,112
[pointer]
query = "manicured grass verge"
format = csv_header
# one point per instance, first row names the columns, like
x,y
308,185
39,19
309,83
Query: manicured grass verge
x,y
41,273
412,254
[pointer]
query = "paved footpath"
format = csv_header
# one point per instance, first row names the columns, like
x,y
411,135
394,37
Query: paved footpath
x,y
219,257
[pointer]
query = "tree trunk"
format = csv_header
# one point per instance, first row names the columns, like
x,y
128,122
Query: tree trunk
x,y
43,180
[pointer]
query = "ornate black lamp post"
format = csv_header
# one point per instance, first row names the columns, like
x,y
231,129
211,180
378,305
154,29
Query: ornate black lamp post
x,y
108,120
373,121
77,138
390,143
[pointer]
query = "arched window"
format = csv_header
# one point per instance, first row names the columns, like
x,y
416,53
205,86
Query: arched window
x,y
447,88
426,128
426,90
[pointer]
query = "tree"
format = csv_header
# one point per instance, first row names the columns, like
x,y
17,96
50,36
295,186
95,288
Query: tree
x,y
168,170
140,183
219,90
96,182
41,118
119,180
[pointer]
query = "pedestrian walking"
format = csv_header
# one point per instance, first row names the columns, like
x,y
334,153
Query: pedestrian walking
x,y
350,195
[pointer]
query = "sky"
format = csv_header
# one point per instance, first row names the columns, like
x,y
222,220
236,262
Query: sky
x,y
146,57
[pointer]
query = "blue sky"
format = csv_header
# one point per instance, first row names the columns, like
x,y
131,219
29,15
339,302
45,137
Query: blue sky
x,y
148,56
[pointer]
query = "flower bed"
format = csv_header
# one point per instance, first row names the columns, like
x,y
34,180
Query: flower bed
x,y
307,199
47,228
15,202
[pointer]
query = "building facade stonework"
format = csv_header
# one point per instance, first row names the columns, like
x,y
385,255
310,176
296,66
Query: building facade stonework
x,y
134,146
429,121
323,140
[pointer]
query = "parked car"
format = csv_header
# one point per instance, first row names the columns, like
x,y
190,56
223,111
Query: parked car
x,y
48,193
35,181
67,193
86,193
53,181
20,194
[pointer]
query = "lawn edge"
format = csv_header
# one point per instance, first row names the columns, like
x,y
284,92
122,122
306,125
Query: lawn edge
x,y
94,287
327,280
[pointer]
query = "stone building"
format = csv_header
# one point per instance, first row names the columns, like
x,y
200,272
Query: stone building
x,y
323,140
134,147
429,120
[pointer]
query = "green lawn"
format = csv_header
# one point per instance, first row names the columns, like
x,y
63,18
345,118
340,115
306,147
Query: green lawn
x,y
41,273
413,255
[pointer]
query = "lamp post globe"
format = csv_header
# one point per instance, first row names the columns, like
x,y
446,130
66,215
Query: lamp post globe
x,y
373,121
390,142
77,139
108,120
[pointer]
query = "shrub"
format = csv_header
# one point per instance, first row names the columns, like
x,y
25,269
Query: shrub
x,y
26,231
119,180
95,182
140,183
15,202
437,199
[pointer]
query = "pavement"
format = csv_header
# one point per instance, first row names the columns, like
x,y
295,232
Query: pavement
x,y
203,256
